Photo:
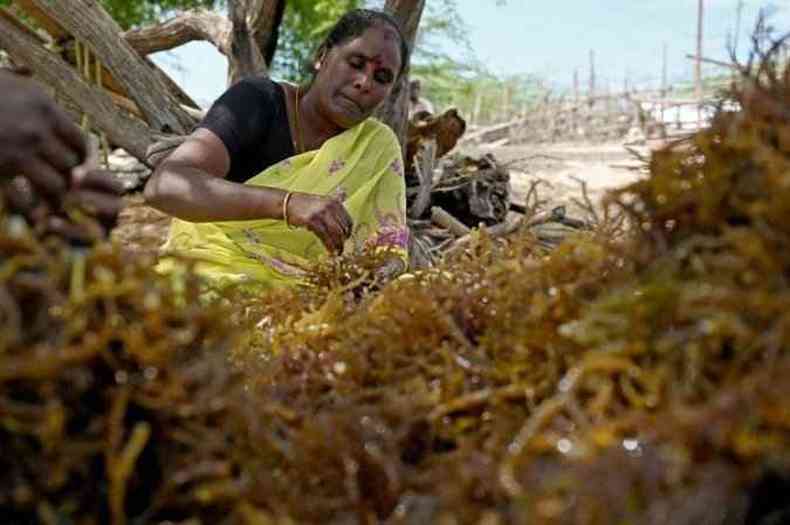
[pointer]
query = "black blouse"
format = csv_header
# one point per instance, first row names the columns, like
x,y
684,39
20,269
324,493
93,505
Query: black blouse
x,y
252,121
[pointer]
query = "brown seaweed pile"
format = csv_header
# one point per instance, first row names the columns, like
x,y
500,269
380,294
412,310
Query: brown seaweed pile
x,y
630,378
633,380
116,399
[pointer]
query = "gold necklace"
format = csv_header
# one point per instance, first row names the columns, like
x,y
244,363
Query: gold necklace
x,y
299,141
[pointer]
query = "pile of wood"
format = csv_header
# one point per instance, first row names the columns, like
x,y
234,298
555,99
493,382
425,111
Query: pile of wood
x,y
448,197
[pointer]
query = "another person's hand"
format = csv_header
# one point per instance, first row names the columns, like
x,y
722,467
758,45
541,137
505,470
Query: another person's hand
x,y
94,194
44,168
324,216
37,139
97,192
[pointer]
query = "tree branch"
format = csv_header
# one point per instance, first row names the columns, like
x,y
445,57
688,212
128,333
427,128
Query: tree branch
x,y
265,24
181,29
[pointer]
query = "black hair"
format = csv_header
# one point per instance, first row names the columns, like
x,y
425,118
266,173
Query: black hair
x,y
353,24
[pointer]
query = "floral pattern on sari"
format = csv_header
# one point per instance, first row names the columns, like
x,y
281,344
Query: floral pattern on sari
x,y
336,166
396,166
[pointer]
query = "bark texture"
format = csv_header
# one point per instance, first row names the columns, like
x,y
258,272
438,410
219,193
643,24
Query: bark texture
x,y
121,128
90,23
395,110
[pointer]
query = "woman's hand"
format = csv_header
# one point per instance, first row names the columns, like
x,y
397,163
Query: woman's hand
x,y
324,216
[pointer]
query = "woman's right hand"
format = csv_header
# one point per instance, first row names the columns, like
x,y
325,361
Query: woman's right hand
x,y
324,216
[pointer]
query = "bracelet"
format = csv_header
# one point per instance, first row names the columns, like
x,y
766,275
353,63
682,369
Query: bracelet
x,y
285,208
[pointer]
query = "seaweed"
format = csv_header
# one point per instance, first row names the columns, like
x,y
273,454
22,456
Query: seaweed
x,y
633,373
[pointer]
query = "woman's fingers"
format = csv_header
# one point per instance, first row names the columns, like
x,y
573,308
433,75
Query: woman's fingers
x,y
345,219
332,232
77,234
320,229
20,194
326,217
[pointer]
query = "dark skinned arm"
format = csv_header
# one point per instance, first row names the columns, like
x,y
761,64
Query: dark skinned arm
x,y
190,184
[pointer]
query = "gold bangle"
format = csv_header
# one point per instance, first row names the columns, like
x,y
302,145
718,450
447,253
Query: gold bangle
x,y
285,208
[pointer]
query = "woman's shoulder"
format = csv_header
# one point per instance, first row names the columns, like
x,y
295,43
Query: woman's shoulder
x,y
380,131
263,85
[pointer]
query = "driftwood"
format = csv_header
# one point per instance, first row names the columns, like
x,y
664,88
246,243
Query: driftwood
x,y
462,193
474,190
488,133
423,168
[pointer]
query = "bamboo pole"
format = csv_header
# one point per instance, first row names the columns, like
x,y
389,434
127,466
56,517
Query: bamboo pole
x,y
698,63
663,81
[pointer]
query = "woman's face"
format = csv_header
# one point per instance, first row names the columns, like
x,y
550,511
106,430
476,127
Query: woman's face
x,y
355,77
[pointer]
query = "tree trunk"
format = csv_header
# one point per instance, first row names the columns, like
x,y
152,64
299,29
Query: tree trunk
x,y
245,58
265,25
395,110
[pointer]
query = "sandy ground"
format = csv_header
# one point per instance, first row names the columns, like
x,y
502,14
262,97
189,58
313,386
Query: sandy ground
x,y
601,166
562,168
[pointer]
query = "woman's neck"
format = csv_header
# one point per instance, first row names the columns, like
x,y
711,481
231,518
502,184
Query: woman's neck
x,y
316,128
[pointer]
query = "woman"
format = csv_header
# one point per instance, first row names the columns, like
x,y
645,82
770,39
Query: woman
x,y
277,176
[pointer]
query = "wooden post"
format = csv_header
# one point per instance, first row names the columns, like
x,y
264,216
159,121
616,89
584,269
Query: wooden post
x,y
737,36
625,82
591,93
663,81
576,86
698,63
505,103
476,112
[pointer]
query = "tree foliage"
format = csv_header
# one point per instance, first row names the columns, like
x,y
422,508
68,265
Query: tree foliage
x,y
130,13
140,12
305,24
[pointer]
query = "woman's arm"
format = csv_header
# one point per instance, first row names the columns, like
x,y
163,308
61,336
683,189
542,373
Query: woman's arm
x,y
189,184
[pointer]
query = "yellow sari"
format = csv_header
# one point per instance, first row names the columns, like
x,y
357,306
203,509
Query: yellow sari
x,y
362,166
